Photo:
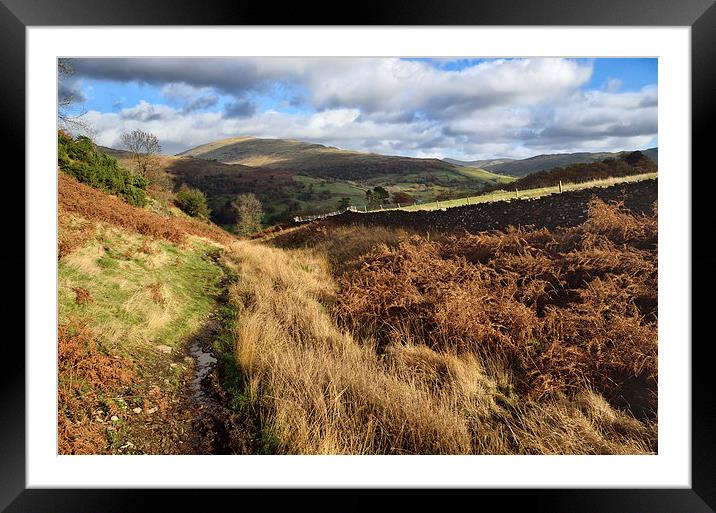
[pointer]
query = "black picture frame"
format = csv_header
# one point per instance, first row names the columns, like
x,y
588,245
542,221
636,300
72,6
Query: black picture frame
x,y
16,15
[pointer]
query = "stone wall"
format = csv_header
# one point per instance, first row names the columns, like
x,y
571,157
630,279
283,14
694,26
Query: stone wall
x,y
567,209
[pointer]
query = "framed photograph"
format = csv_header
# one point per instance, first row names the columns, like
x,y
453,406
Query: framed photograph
x,y
418,251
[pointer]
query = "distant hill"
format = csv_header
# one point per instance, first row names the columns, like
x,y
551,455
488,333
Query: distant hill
x,y
652,153
318,160
293,177
484,164
624,164
524,167
285,193
113,152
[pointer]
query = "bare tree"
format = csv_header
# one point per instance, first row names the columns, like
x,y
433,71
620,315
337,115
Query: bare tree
x,y
67,118
248,214
144,148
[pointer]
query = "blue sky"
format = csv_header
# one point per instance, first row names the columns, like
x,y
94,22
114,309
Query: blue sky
x,y
461,108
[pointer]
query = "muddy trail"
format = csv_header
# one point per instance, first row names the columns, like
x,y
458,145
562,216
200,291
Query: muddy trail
x,y
191,411
216,428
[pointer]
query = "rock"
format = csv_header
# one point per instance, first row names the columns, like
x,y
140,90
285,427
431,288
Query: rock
x,y
163,349
172,365
188,359
152,410
114,418
137,410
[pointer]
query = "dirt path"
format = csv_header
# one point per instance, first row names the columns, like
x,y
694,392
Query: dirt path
x,y
216,428
196,416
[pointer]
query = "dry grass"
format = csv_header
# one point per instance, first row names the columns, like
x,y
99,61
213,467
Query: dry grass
x,y
72,232
82,295
342,245
478,344
87,376
156,291
569,309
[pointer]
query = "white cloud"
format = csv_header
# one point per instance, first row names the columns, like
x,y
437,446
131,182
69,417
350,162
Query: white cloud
x,y
497,108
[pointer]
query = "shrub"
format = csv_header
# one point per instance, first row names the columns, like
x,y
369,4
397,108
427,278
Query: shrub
x,y
80,159
192,202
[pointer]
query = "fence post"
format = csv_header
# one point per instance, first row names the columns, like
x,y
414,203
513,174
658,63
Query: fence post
x,y
437,204
398,205
517,193
365,208
560,186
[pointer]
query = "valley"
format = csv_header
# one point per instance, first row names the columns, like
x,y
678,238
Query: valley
x,y
477,329
293,178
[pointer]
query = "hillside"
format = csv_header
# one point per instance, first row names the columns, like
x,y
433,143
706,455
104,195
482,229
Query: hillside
x,y
329,163
295,178
652,153
175,338
472,343
625,164
479,163
314,159
524,167
133,287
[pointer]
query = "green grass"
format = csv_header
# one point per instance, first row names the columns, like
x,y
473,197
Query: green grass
x,y
335,189
124,311
483,175
467,182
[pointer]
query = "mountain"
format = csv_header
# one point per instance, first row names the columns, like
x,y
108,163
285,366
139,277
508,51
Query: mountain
x,y
293,177
479,163
318,160
296,178
524,167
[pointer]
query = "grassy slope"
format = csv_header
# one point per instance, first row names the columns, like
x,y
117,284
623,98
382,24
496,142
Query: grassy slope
x,y
319,161
131,289
144,293
142,296
529,193
484,175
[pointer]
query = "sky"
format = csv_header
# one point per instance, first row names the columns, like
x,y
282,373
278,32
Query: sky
x,y
462,108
